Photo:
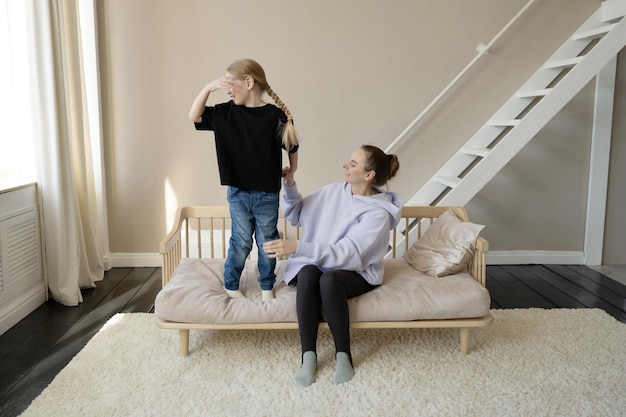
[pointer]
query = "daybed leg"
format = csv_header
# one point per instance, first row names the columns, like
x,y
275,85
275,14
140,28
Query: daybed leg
x,y
465,338
184,341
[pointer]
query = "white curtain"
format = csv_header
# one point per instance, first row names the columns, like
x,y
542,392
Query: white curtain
x,y
70,177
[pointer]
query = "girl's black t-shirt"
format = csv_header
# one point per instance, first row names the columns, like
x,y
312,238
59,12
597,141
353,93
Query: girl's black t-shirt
x,y
248,141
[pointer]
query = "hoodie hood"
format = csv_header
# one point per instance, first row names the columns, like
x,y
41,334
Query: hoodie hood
x,y
387,200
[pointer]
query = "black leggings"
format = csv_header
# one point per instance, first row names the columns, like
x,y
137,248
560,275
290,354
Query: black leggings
x,y
328,293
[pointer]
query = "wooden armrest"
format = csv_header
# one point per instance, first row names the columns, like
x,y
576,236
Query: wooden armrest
x,y
170,247
482,245
478,265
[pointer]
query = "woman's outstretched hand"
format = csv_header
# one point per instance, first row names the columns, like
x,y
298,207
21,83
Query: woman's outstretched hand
x,y
280,248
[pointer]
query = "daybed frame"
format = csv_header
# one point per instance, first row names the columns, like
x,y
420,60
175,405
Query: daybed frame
x,y
215,221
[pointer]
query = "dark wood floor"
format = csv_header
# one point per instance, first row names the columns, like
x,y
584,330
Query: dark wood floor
x,y
555,286
34,350
38,347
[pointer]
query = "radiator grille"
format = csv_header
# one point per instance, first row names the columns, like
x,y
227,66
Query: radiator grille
x,y
19,251
22,249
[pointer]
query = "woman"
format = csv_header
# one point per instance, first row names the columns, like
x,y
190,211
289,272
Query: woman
x,y
346,234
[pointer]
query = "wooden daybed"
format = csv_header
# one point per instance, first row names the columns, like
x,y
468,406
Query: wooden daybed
x,y
192,296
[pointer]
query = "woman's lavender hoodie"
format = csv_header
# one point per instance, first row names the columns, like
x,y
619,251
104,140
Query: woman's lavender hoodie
x,y
341,230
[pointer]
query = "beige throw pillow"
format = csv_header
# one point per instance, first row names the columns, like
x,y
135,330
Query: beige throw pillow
x,y
446,247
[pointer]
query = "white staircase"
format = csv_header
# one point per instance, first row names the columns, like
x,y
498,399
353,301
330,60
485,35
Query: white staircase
x,y
523,115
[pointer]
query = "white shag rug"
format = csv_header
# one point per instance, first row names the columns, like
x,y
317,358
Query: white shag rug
x,y
529,362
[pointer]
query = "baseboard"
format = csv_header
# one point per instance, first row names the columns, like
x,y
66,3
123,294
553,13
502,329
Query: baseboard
x,y
136,260
21,306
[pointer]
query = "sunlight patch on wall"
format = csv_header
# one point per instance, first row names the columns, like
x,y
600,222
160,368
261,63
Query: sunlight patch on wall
x,y
171,204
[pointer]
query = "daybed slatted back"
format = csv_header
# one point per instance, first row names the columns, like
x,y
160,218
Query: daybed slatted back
x,y
203,232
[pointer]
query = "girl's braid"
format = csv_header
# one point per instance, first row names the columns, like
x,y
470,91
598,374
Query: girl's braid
x,y
279,102
290,136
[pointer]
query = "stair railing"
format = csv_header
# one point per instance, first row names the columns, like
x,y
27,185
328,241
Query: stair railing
x,y
482,51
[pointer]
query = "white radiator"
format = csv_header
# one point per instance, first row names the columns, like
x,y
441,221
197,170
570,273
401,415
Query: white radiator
x,y
22,286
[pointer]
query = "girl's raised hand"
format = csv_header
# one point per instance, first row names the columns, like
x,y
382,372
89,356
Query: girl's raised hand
x,y
217,84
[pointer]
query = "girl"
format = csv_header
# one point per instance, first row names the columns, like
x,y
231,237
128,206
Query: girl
x,y
249,137
346,234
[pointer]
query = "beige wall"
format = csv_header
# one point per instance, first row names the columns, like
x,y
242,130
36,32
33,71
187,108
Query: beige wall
x,y
538,200
351,72
552,170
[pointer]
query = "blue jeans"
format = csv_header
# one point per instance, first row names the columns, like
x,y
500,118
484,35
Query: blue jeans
x,y
251,212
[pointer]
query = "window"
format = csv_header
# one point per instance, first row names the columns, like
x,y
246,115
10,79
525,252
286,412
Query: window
x,y
17,155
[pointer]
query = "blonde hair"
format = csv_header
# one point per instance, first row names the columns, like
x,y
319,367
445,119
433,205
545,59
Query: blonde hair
x,y
249,67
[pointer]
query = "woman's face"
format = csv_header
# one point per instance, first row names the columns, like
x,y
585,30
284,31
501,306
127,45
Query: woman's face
x,y
354,169
237,89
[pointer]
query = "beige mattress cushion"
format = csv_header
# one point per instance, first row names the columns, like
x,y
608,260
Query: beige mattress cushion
x,y
195,294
